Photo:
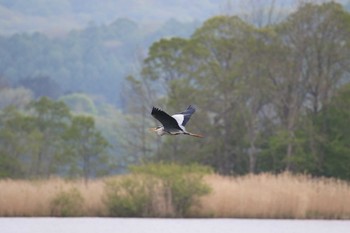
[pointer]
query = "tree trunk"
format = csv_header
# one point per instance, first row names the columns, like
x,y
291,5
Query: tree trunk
x,y
252,157
289,151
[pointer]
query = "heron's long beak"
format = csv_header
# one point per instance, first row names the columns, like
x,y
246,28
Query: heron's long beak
x,y
153,129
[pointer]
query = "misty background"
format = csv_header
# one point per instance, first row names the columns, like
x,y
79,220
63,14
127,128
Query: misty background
x,y
90,55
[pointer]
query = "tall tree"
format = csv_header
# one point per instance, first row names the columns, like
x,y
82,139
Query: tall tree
x,y
254,92
312,46
332,124
318,36
51,119
222,42
86,145
17,142
254,88
164,69
139,94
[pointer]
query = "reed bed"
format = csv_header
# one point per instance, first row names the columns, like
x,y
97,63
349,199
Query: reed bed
x,y
34,197
251,196
276,196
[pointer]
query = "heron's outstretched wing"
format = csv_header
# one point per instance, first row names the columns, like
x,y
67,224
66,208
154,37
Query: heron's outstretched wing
x,y
187,114
167,121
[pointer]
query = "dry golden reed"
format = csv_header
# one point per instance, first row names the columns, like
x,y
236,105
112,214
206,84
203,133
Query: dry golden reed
x,y
276,196
251,196
33,198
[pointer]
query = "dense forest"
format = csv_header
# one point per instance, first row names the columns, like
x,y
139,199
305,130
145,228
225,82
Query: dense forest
x,y
269,98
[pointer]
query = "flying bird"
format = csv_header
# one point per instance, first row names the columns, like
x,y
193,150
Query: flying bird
x,y
175,124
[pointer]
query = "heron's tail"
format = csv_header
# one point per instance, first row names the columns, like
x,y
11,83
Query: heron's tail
x,y
194,135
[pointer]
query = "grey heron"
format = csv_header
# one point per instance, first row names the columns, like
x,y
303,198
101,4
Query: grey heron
x,y
175,124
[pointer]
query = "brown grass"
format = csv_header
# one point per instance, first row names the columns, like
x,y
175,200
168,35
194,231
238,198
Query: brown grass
x,y
251,196
281,196
33,198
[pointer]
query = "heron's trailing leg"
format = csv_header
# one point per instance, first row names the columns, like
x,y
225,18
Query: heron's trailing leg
x,y
194,135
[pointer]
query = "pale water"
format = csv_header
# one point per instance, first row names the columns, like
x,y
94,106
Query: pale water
x,y
137,225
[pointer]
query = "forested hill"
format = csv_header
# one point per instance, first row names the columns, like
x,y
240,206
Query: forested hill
x,y
91,46
55,16
87,46
93,60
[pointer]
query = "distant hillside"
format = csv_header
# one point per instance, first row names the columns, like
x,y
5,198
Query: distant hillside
x,y
94,60
55,16
91,45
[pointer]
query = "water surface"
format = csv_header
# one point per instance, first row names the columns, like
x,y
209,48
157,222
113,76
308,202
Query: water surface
x,y
144,225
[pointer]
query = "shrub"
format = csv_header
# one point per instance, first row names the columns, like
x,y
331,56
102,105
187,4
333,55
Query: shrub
x,y
181,184
128,196
156,190
67,203
9,166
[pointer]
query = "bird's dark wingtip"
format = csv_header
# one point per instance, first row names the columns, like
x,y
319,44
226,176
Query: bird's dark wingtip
x,y
156,110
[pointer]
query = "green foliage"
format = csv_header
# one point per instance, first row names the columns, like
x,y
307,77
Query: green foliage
x,y
18,142
185,183
50,118
47,140
9,166
129,196
255,89
168,171
333,124
154,185
67,203
85,143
